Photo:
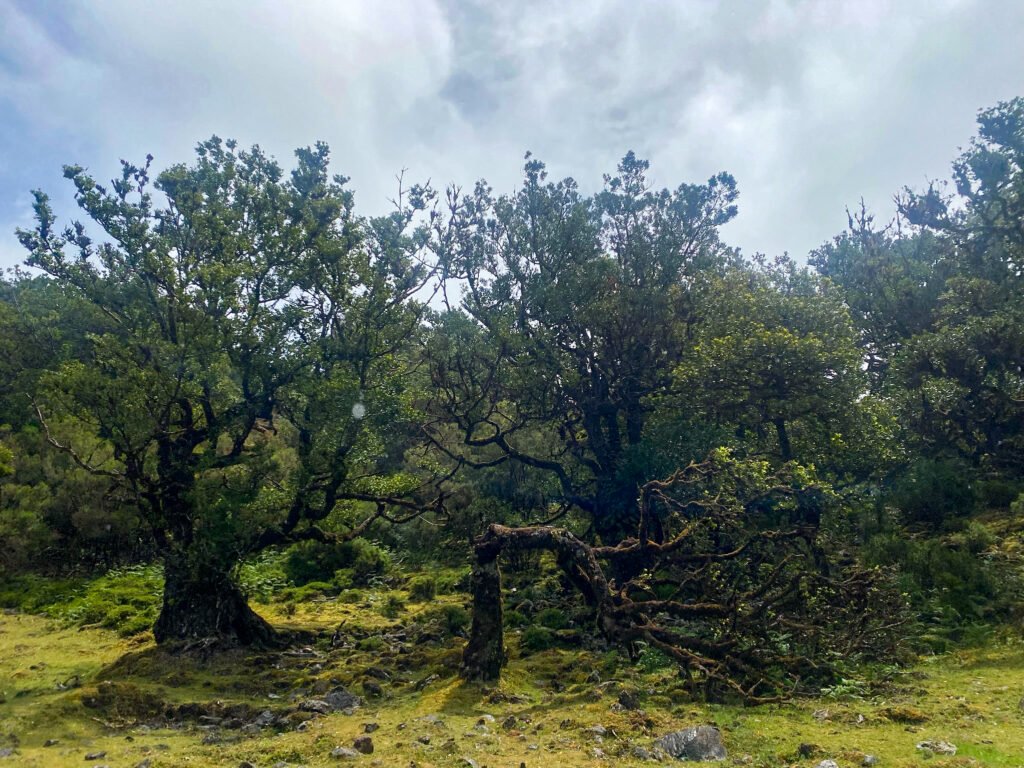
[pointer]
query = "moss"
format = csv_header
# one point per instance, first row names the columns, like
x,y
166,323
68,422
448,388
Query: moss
x,y
422,589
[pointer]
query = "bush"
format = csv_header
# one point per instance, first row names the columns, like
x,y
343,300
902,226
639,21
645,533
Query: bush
x,y
933,491
422,589
515,619
552,618
392,607
451,619
536,639
316,561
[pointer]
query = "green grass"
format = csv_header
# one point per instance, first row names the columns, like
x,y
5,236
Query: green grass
x,y
48,671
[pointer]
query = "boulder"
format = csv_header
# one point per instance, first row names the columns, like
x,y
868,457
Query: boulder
x,y
701,743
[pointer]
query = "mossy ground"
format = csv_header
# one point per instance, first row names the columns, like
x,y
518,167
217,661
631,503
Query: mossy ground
x,y
50,672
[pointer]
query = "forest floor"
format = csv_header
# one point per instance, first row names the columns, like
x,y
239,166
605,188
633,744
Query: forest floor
x,y
87,696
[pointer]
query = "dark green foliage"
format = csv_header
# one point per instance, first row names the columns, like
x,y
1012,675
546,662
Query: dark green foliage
x,y
950,581
536,639
552,618
453,620
933,491
316,561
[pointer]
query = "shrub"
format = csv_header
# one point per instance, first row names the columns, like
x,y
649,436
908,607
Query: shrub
x,y
552,618
515,619
536,639
126,600
317,561
392,607
933,491
422,589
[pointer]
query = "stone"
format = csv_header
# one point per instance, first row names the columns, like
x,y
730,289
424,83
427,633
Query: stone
x,y
51,742
246,764
363,744
6,751
938,747
372,689
701,743
828,764
870,760
629,700
341,699
95,755
344,753
318,706
147,763
370,727
469,762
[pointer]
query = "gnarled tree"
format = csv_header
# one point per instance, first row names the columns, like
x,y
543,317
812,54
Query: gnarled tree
x,y
249,373
740,591
575,311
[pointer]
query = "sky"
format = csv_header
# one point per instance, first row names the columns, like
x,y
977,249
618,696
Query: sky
x,y
810,105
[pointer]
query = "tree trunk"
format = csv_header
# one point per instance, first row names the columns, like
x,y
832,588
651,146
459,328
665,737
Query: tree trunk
x,y
784,447
201,601
485,653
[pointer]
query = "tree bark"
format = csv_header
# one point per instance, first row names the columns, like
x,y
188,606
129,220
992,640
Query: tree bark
x,y
201,601
485,653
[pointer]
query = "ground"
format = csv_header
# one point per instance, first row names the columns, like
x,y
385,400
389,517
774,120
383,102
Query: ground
x,y
96,692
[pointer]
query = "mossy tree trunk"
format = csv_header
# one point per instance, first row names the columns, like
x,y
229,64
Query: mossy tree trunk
x,y
202,601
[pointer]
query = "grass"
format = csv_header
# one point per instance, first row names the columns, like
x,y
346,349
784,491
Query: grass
x,y
49,672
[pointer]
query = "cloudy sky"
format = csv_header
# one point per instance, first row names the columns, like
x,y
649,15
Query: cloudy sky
x,y
811,105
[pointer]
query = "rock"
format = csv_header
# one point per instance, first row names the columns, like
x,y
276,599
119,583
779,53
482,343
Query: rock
x,y
938,747
246,764
597,730
828,764
509,723
344,753
701,743
144,764
95,755
423,739
6,751
363,744
807,750
870,760
641,753
629,700
377,672
51,742
280,764
341,699
370,727
469,762
264,718
485,719
319,706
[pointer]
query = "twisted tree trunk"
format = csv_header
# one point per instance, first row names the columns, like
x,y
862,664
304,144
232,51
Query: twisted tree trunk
x,y
201,601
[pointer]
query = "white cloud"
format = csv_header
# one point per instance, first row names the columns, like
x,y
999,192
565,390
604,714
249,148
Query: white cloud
x,y
809,104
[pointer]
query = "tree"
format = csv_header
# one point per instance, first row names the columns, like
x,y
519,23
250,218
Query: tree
x,y
248,369
776,359
960,380
574,313
739,592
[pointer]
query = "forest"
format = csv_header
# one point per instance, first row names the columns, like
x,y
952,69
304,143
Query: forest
x,y
535,477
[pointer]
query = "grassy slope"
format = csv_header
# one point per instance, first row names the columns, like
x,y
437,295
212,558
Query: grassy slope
x,y
969,698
